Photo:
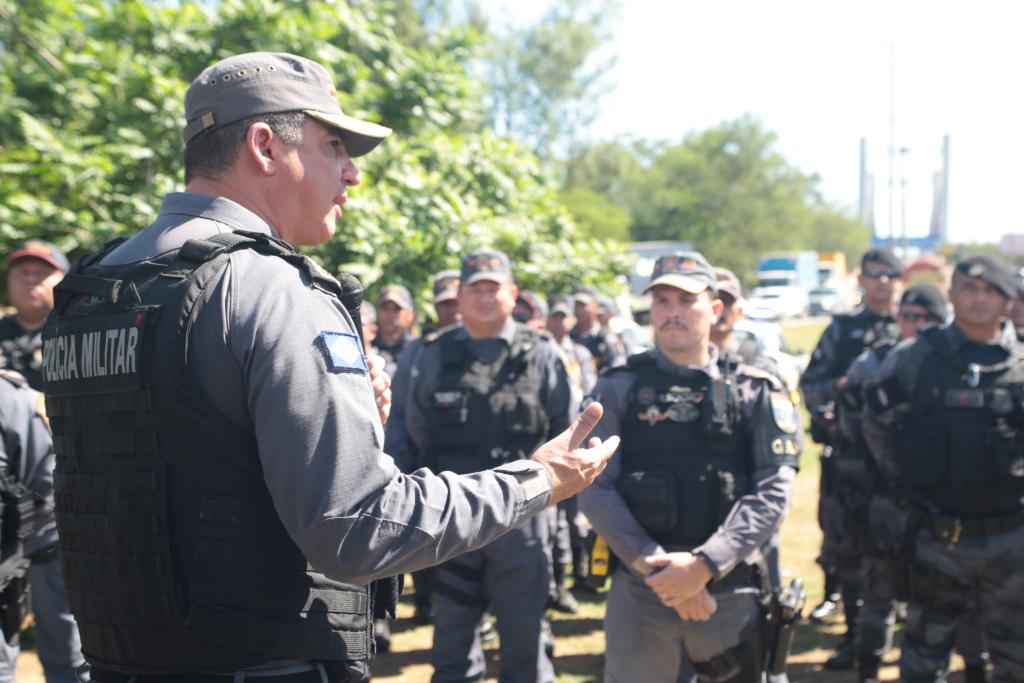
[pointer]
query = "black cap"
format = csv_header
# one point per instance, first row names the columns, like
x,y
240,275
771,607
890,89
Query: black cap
x,y
38,249
685,270
485,264
881,255
927,297
992,270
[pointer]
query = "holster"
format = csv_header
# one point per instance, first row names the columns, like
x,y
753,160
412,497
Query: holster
x,y
602,561
892,526
785,609
13,608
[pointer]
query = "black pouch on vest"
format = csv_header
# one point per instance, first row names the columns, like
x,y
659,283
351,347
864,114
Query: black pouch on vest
x,y
651,497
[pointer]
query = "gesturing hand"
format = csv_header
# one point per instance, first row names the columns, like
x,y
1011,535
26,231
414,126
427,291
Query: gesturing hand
x,y
571,467
381,383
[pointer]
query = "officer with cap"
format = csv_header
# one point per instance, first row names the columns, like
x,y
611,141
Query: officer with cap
x,y
225,502
877,499
33,269
723,331
945,419
843,340
486,393
703,478
603,344
446,298
29,531
368,323
395,318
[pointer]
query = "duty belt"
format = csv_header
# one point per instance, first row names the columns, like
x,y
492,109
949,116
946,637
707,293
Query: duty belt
x,y
952,529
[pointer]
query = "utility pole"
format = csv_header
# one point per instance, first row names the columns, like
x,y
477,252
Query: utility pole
x,y
892,141
903,200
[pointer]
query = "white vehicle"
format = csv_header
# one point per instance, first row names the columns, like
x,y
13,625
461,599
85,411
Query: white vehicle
x,y
830,299
775,303
768,338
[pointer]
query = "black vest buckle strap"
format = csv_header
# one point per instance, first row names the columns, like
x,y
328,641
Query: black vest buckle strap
x,y
953,529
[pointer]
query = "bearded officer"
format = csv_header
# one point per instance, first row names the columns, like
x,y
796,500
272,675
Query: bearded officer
x,y
946,420
224,500
703,479
480,395
842,341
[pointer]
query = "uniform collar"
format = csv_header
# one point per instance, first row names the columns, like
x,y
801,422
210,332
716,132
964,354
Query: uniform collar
x,y
664,363
1007,339
220,209
507,334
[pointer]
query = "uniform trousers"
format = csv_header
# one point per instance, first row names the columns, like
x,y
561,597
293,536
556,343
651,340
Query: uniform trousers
x,y
510,579
647,641
951,581
57,641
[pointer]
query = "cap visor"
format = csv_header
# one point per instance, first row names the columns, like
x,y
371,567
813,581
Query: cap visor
x,y
493,277
687,284
399,301
23,254
360,136
447,295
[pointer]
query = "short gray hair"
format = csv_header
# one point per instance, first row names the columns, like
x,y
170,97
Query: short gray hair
x,y
211,153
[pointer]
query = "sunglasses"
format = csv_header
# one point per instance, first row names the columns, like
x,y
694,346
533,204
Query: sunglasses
x,y
913,317
876,274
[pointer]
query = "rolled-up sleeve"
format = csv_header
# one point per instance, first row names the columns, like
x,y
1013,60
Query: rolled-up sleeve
x,y
258,351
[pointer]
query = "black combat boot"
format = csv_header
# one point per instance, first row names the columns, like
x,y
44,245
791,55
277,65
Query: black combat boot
x,y
830,603
844,657
976,673
867,668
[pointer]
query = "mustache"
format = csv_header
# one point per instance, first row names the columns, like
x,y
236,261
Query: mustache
x,y
672,323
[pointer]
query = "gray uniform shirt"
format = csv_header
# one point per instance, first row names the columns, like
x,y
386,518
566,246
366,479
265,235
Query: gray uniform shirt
x,y
27,439
253,353
751,521
410,432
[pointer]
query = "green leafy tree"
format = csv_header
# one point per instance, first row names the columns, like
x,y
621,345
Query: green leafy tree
x,y
91,115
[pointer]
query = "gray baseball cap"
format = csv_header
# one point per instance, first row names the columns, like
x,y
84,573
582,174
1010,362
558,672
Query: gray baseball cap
x,y
269,83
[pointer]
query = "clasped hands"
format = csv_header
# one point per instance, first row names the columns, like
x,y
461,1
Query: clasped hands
x,y
680,582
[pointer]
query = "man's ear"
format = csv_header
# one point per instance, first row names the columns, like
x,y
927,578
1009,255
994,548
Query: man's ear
x,y
261,147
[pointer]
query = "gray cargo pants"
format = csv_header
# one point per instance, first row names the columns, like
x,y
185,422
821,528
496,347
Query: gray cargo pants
x,y
949,581
510,579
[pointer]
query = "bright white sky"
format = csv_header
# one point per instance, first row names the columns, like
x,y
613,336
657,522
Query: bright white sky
x,y
817,73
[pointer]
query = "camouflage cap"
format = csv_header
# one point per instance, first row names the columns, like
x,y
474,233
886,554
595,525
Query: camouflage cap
x,y
584,295
728,283
446,285
560,304
486,264
538,307
990,269
685,270
396,293
270,83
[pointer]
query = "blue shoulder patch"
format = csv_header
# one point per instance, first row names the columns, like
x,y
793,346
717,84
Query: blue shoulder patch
x,y
345,351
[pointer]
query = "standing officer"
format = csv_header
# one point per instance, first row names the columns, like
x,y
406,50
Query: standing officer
x,y
26,507
224,500
395,318
33,269
841,342
480,395
946,420
603,344
921,306
702,480
446,298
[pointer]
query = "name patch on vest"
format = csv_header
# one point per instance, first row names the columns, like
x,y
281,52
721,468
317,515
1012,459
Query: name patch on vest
x,y
95,354
344,351
965,398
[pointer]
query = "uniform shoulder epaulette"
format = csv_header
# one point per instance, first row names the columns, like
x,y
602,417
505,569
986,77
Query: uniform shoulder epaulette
x,y
437,334
758,373
634,362
14,377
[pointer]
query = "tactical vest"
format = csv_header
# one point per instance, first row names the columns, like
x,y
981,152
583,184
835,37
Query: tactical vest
x,y
485,414
685,458
174,557
859,331
17,512
964,436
